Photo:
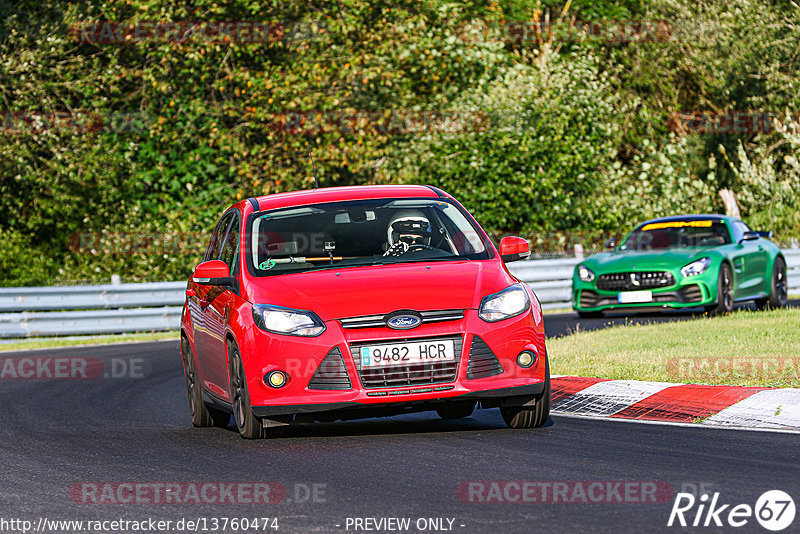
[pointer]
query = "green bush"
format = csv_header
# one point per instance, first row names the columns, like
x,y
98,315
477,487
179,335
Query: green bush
x,y
539,163
21,264
657,182
571,135
768,182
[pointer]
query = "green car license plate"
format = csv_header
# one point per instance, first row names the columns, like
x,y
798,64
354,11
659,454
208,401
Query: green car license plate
x,y
634,297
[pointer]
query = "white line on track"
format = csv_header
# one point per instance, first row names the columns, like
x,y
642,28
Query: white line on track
x,y
673,423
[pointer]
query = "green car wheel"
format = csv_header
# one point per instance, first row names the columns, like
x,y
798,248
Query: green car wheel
x,y
724,292
779,292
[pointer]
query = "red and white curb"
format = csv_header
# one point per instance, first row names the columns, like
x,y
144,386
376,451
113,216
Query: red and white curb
x,y
727,406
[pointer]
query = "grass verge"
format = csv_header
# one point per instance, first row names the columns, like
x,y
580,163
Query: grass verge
x,y
746,348
555,311
72,341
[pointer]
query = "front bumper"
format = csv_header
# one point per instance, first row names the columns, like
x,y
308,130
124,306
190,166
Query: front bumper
x,y
700,290
346,410
301,359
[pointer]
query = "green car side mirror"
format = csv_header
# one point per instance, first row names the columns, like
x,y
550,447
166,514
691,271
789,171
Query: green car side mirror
x,y
749,236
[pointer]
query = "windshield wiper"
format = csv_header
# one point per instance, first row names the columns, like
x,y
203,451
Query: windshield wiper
x,y
400,259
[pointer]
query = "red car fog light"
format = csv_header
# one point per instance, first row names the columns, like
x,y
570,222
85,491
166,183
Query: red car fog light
x,y
526,359
276,379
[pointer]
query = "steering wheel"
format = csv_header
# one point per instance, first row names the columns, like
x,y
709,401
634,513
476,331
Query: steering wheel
x,y
417,247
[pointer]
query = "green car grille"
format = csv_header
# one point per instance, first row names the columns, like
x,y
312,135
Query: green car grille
x,y
631,281
685,295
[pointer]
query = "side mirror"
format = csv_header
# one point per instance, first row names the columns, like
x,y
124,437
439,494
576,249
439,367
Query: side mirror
x,y
767,235
514,248
611,243
213,273
749,236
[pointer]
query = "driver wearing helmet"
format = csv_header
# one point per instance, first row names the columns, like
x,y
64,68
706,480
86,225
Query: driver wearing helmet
x,y
409,230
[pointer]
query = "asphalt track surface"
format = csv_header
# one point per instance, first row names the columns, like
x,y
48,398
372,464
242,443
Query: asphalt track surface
x,y
58,433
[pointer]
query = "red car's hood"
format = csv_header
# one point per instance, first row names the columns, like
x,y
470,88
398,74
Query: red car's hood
x,y
355,291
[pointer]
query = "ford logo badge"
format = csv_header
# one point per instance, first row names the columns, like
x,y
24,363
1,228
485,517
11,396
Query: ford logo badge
x,y
403,321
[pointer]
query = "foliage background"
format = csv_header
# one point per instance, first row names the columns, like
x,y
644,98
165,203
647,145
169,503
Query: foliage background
x,y
579,140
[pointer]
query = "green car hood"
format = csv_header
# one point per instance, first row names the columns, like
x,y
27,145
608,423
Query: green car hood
x,y
646,260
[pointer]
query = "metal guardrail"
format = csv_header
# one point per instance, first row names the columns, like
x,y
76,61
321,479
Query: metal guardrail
x,y
18,299
119,321
551,280
101,309
124,308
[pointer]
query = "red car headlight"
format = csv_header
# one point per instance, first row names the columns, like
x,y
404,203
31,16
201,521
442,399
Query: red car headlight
x,y
286,321
511,301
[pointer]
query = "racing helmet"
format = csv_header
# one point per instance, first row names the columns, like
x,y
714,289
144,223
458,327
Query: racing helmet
x,y
410,227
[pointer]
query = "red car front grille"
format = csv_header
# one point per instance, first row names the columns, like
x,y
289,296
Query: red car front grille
x,y
407,375
379,321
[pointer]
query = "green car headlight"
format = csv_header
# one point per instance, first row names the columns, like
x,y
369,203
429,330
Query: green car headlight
x,y
585,274
286,321
696,267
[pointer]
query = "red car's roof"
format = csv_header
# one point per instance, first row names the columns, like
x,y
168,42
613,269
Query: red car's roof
x,y
338,194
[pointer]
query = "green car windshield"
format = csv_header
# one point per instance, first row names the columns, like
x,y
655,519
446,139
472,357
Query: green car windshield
x,y
660,235
358,233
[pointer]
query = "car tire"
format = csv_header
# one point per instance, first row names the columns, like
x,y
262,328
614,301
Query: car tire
x,y
248,425
530,417
724,303
456,410
202,415
778,294
590,314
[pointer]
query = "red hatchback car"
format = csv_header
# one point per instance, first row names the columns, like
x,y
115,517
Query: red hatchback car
x,y
352,302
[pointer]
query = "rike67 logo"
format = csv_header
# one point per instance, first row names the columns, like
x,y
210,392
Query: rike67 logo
x,y
774,510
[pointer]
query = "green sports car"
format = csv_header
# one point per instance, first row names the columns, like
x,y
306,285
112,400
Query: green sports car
x,y
685,261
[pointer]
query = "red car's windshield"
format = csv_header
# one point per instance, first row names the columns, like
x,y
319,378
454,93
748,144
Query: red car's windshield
x,y
366,232
678,234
